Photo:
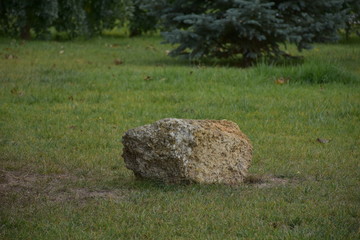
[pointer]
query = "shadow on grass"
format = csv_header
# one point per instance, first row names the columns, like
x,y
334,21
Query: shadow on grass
x,y
353,40
252,181
30,187
212,62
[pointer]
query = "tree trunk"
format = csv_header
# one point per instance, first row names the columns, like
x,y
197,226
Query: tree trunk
x,y
25,32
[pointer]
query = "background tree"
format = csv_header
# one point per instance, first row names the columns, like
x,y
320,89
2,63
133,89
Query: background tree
x,y
17,17
244,28
72,18
81,17
106,14
352,20
141,20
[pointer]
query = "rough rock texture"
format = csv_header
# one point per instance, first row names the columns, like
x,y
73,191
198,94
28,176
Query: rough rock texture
x,y
183,150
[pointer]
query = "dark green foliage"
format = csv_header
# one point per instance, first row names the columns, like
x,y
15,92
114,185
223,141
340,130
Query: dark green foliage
x,y
17,17
141,20
312,21
76,17
105,14
353,17
72,18
246,29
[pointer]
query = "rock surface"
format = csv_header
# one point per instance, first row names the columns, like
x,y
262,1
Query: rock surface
x,y
183,150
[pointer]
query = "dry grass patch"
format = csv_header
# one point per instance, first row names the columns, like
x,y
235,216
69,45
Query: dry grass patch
x,y
24,187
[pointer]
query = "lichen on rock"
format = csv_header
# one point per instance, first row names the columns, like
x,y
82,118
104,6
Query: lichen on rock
x,y
184,150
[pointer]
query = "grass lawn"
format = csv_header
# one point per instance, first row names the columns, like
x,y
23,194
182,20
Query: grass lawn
x,y
64,107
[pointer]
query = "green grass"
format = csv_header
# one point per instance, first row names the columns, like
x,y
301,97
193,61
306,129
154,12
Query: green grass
x,y
65,105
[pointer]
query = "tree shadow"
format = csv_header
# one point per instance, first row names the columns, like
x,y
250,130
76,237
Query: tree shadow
x,y
353,40
227,63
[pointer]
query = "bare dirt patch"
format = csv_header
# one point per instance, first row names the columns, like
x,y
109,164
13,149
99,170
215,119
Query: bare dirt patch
x,y
24,187
21,188
268,181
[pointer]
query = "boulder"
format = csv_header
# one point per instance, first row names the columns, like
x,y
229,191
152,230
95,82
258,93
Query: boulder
x,y
184,150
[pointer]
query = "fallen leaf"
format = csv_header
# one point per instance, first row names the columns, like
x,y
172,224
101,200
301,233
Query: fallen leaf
x,y
114,45
150,47
282,80
16,91
323,140
118,61
147,78
10,56
275,225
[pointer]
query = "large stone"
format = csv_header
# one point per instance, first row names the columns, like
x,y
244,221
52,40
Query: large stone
x,y
183,150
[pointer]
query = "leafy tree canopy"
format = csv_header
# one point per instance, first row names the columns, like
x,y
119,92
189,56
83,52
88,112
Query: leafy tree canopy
x,y
76,17
249,29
